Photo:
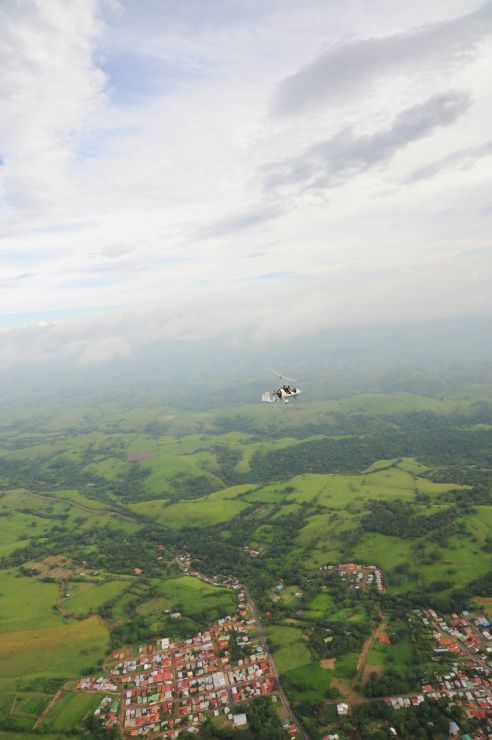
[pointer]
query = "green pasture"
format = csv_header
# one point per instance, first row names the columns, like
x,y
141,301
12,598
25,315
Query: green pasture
x,y
165,467
287,595
320,605
29,703
263,534
397,656
249,448
471,393
53,513
272,494
230,493
111,468
86,597
460,562
6,701
288,647
17,528
346,666
391,403
78,498
155,607
69,710
307,682
62,650
407,464
26,603
137,591
195,598
383,550
286,510
336,491
200,512
321,540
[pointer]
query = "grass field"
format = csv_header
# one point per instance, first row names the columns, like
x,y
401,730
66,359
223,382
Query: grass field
x,y
26,603
201,512
289,647
29,704
196,598
86,597
64,650
308,682
79,498
337,491
69,710
397,656
17,528
320,605
345,666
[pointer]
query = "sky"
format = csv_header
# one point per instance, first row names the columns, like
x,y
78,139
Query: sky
x,y
246,169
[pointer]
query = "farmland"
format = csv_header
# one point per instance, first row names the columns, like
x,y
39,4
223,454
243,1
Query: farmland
x,y
63,650
69,711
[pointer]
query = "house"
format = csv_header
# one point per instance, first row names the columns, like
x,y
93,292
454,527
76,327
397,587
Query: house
x,y
453,729
342,709
240,720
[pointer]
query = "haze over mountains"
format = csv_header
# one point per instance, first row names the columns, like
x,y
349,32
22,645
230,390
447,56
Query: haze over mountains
x,y
424,358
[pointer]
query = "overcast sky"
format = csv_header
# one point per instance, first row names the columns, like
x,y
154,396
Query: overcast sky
x,y
246,168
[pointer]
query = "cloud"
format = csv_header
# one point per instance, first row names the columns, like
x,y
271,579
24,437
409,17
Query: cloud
x,y
49,88
345,155
17,278
102,350
462,158
345,71
247,219
116,250
260,313
168,201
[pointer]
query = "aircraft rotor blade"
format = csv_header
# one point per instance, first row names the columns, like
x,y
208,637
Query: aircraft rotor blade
x,y
280,375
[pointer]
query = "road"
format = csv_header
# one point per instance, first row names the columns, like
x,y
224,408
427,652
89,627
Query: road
x,y
76,505
361,663
46,710
264,642
470,652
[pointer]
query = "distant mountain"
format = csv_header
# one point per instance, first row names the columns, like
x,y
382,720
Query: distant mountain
x,y
426,358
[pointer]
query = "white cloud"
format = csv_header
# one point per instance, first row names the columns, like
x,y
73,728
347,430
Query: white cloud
x,y
49,88
148,196
351,68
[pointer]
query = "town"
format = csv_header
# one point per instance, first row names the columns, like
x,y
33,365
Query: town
x,y
171,687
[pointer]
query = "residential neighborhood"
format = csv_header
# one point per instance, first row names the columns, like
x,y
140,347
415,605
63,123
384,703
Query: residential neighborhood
x,y
358,576
169,687
467,681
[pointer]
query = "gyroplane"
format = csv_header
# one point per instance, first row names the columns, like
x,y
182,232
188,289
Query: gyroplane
x,y
284,393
